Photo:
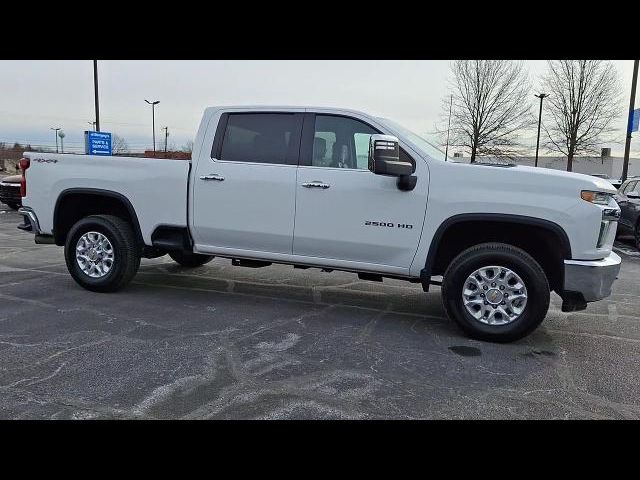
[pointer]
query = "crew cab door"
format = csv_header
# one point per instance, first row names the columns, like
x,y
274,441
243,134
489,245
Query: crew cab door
x,y
244,195
345,212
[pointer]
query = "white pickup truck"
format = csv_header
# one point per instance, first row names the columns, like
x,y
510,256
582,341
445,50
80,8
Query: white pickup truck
x,y
335,189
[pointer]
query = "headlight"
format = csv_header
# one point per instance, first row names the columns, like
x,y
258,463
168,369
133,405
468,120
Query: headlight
x,y
599,198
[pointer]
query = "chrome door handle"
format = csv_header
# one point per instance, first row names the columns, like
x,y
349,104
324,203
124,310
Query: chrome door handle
x,y
322,185
213,176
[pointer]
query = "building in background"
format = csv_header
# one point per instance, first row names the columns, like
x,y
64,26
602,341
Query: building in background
x,y
604,164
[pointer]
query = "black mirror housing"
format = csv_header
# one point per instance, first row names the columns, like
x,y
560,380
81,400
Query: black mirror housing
x,y
384,157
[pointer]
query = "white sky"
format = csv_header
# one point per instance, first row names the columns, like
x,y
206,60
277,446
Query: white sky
x,y
37,95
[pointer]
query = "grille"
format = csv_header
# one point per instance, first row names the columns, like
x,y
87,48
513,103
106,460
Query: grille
x,y
10,192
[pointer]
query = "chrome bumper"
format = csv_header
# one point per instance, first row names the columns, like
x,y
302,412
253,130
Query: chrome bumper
x,y
31,223
592,278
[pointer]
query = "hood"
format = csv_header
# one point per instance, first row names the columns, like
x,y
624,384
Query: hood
x,y
11,179
596,183
545,178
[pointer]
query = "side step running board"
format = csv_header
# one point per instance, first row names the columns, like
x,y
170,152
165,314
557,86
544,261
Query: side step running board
x,y
239,262
372,277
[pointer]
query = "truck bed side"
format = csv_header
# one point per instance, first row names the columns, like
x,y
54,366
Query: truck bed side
x,y
156,188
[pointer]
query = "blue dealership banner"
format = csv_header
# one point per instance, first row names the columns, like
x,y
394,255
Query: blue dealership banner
x,y
97,143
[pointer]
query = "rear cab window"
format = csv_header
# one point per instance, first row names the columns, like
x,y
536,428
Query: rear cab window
x,y
272,138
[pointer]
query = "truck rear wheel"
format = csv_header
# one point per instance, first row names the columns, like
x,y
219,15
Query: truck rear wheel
x,y
190,260
101,253
495,292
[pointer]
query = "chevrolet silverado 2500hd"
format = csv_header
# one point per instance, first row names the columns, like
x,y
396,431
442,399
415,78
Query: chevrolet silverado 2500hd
x,y
335,189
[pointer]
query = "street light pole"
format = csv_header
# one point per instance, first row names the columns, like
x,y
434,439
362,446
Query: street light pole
x,y
541,97
95,89
153,120
61,135
56,135
632,101
166,134
446,151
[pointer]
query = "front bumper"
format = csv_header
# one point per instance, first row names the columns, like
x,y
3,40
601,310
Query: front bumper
x,y
591,278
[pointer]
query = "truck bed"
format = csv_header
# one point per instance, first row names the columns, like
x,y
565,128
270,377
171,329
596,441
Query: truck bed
x,y
156,188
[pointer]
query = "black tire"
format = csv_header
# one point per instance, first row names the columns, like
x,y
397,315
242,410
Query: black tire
x,y
499,254
14,206
126,252
636,235
190,260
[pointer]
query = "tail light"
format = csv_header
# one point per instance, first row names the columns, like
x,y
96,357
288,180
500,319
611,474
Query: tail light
x,y
24,164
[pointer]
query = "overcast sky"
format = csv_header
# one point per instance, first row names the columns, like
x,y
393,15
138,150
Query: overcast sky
x,y
38,95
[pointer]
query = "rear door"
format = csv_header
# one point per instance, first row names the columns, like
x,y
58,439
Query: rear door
x,y
244,195
346,213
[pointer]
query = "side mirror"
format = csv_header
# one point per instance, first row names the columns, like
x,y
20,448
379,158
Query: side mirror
x,y
633,194
384,157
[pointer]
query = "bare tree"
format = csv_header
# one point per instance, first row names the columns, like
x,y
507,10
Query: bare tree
x,y
119,145
490,106
584,99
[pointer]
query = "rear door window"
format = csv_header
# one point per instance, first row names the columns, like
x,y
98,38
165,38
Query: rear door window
x,y
272,138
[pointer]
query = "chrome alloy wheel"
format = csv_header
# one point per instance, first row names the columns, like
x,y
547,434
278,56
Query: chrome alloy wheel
x,y
94,254
494,295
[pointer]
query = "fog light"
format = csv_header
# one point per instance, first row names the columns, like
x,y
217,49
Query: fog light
x,y
605,225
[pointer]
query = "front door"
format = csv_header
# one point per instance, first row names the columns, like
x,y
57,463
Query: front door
x,y
244,196
343,211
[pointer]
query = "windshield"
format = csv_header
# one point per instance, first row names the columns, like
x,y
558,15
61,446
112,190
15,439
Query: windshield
x,y
424,145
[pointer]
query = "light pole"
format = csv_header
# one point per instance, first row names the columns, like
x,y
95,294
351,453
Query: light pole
x,y
56,135
61,135
166,134
153,120
446,151
541,97
632,101
95,92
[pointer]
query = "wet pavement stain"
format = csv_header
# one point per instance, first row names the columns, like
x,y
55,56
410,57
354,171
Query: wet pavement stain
x,y
537,353
466,351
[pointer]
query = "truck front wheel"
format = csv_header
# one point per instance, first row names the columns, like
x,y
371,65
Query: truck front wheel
x,y
495,292
190,260
101,253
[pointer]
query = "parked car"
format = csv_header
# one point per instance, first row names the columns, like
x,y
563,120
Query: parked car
x,y
628,198
10,191
615,182
336,189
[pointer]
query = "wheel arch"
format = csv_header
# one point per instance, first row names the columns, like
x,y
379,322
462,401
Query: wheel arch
x,y
550,229
70,206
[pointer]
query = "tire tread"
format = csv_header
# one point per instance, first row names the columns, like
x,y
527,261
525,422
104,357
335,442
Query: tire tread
x,y
507,250
125,237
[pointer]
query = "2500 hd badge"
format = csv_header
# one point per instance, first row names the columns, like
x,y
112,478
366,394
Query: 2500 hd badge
x,y
387,224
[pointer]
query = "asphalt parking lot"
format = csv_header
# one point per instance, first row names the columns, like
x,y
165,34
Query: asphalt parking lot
x,y
231,342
